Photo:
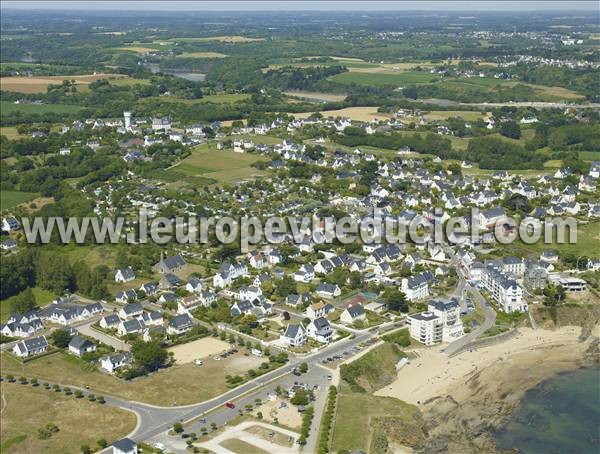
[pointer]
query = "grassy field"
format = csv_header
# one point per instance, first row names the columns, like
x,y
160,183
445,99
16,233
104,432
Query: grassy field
x,y
589,155
129,82
136,49
241,447
380,79
42,297
360,416
163,388
26,409
374,370
9,199
588,239
10,132
8,107
222,166
40,84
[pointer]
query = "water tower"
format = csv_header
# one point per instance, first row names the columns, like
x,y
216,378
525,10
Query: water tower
x,y
127,116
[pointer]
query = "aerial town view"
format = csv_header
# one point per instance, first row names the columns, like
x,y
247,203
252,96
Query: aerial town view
x,y
300,227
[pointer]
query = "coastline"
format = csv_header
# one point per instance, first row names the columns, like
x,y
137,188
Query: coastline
x,y
464,399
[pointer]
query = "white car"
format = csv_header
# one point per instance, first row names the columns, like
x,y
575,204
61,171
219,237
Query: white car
x,y
160,446
198,362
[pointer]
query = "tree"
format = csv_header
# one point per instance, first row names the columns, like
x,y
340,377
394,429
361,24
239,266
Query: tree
x,y
395,300
85,449
303,368
510,129
177,428
150,356
60,338
23,302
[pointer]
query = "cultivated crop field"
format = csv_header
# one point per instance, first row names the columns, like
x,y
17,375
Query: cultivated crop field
x,y
40,84
354,113
380,79
8,107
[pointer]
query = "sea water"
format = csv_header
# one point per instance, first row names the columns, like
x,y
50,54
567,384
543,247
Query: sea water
x,y
561,415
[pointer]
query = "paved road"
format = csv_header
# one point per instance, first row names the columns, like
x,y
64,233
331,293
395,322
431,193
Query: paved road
x,y
490,319
87,330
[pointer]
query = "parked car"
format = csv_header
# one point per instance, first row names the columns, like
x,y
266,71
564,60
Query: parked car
x,y
230,405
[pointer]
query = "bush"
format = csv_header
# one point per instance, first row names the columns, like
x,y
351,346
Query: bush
x,y
177,428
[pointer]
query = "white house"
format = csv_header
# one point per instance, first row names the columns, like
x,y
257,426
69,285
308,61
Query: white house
x,y
294,335
80,345
320,330
124,275
115,361
30,347
353,313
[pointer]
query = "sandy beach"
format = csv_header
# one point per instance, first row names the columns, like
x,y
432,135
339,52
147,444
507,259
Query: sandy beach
x,y
464,398
434,374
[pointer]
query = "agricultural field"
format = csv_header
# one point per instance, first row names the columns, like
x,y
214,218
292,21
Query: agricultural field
x,y
40,84
464,114
8,107
223,39
201,55
315,96
162,388
26,409
354,113
381,79
9,199
136,49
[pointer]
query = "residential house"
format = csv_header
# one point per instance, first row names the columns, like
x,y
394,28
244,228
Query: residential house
x,y
417,287
180,324
320,330
124,446
30,347
80,346
133,326
353,313
294,335
326,290
124,275
126,296
110,321
114,361
131,310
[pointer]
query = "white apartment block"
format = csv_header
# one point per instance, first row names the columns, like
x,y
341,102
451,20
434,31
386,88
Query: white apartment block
x,y
426,327
504,289
449,313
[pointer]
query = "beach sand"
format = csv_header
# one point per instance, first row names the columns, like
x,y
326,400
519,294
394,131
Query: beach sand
x,y
466,397
434,374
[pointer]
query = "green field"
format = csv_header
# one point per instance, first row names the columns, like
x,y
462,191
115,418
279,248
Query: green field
x,y
9,199
222,98
380,79
8,107
589,155
126,82
222,166
42,297
587,245
362,418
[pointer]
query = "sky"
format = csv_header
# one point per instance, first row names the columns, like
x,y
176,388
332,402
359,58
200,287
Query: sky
x,y
292,5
